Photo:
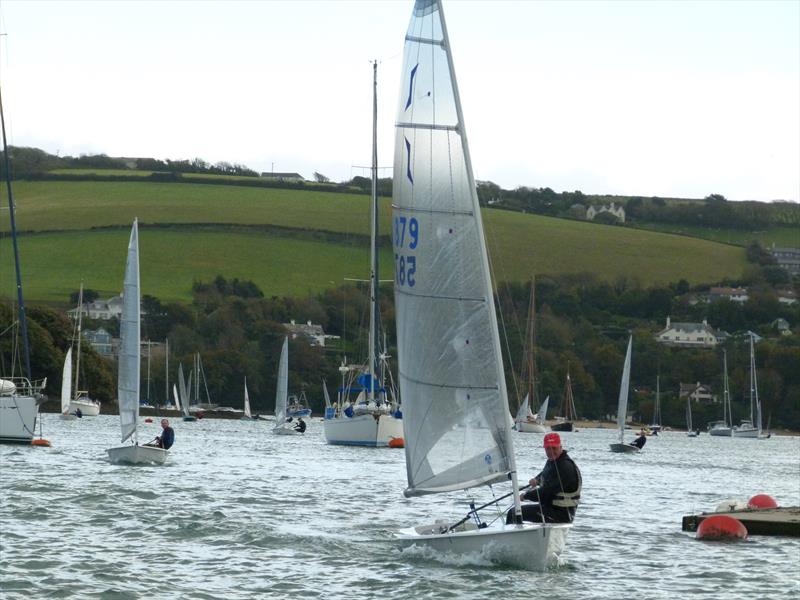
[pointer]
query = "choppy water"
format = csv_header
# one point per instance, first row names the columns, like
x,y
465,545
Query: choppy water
x,y
239,513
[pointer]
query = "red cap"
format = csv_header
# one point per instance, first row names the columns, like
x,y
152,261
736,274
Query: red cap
x,y
552,440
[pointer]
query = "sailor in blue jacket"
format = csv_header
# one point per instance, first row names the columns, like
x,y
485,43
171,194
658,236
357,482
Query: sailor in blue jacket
x,y
167,437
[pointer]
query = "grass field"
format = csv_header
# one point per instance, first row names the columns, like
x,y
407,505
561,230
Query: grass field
x,y
292,263
55,263
780,236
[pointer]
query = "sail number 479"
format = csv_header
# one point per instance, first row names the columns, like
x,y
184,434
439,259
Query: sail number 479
x,y
406,236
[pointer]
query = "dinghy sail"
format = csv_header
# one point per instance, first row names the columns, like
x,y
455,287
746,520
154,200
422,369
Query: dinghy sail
x,y
622,406
129,380
456,425
282,394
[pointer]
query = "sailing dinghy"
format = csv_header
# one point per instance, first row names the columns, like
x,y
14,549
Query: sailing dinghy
x,y
456,421
282,426
622,407
247,414
128,382
66,388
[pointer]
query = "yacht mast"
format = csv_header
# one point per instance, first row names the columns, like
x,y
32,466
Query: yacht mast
x,y
373,275
78,357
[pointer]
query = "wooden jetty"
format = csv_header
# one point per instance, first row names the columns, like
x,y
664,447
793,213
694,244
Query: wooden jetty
x,y
759,521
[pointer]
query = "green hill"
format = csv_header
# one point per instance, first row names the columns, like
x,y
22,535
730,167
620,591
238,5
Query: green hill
x,y
293,242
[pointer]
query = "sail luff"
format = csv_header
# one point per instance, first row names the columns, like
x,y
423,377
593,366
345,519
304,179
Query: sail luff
x,y
128,386
282,387
622,406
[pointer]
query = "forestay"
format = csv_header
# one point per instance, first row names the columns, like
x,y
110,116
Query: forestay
x,y
456,424
129,352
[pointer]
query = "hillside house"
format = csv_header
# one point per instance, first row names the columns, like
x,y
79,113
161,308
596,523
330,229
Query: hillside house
x,y
100,340
728,293
314,333
100,309
690,335
615,210
782,326
788,258
788,297
697,392
283,176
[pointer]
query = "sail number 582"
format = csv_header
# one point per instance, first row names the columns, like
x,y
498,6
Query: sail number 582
x,y
406,236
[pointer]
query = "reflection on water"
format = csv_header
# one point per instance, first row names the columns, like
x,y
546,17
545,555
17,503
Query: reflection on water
x,y
240,513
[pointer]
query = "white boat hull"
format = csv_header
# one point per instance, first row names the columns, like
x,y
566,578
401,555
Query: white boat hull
x,y
88,409
627,448
746,433
137,455
529,546
363,430
525,427
18,418
286,430
721,432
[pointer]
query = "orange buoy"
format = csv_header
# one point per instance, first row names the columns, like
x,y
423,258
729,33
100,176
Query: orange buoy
x,y
721,527
762,501
148,420
397,443
41,442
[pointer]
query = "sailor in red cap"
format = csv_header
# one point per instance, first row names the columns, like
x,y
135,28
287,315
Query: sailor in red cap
x,y
556,490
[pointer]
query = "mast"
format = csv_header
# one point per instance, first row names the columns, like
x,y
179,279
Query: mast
x,y
166,372
20,302
531,341
752,378
727,416
373,271
754,391
657,411
78,357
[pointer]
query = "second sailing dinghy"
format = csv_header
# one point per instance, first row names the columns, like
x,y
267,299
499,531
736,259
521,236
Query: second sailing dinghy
x,y
128,382
622,407
282,426
457,429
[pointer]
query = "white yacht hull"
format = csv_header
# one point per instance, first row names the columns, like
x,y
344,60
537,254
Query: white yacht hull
x,y
88,409
721,432
363,430
18,418
525,427
746,433
627,448
137,455
529,546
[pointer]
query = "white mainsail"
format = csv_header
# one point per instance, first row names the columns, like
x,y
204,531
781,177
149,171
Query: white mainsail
x,y
246,401
282,388
184,394
456,425
129,352
66,382
524,411
622,407
541,416
176,397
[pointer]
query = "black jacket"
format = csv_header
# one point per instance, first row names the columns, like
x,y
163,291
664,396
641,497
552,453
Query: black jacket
x,y
559,489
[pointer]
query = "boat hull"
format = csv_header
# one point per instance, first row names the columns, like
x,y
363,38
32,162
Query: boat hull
x,y
18,418
624,448
363,430
747,433
285,431
88,409
721,432
562,426
137,455
525,427
529,546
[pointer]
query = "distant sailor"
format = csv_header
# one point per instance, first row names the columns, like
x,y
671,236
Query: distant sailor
x,y
640,441
556,490
300,425
167,437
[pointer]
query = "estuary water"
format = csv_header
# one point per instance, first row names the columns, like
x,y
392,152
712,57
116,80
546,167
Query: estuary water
x,y
240,513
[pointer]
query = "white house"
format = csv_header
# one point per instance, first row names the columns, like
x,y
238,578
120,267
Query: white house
x,y
100,340
316,336
690,335
697,392
615,210
730,293
100,309
283,176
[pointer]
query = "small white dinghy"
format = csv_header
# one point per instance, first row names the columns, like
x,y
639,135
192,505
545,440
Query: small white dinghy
x,y
622,407
282,427
128,380
456,419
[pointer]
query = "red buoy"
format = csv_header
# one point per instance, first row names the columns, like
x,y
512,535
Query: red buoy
x,y
41,442
397,443
721,527
762,501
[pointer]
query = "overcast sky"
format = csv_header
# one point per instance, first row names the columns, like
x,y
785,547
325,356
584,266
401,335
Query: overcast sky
x,y
649,98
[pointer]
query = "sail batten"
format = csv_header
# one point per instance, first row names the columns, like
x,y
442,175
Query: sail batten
x,y
457,435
